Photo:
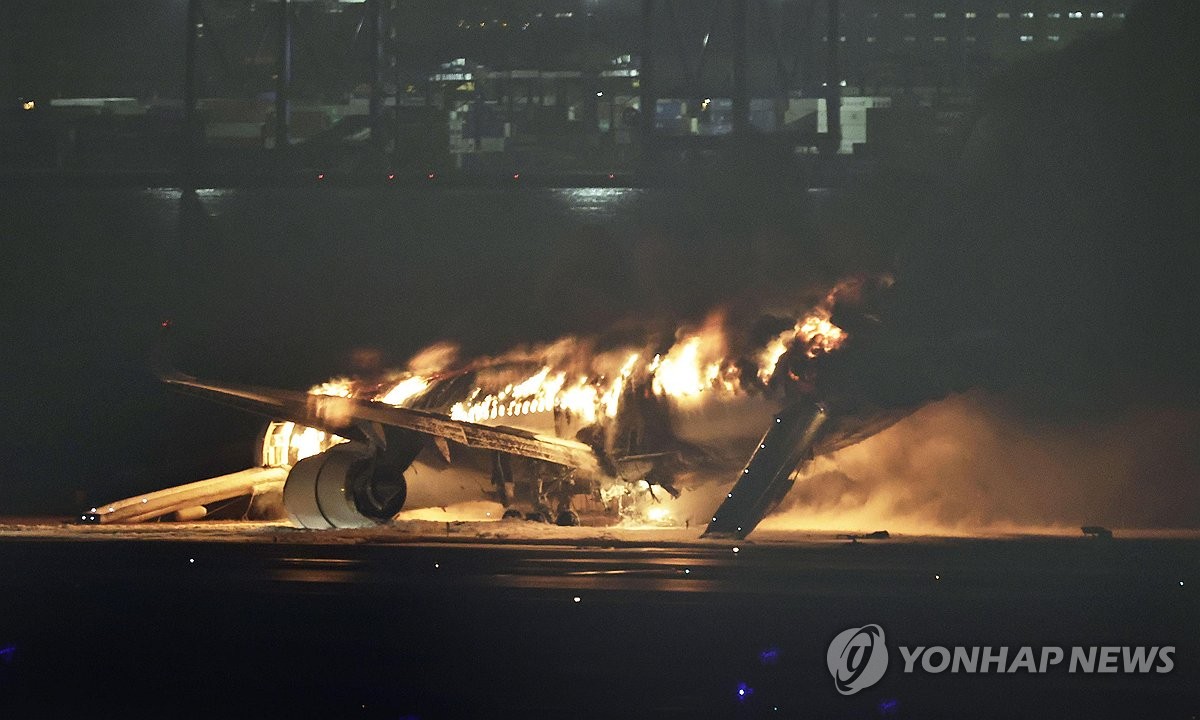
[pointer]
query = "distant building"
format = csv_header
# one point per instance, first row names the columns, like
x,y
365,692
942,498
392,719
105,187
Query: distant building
x,y
888,44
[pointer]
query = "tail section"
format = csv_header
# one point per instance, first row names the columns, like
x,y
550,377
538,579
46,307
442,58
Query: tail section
x,y
767,476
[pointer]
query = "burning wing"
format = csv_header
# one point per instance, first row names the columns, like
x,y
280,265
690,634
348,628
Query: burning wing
x,y
344,484
370,421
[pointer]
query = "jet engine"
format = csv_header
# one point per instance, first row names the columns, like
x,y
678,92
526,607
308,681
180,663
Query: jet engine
x,y
345,486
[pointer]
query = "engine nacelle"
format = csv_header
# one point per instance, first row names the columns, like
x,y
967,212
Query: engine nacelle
x,y
344,487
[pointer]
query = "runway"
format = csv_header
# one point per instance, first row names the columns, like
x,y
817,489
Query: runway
x,y
595,626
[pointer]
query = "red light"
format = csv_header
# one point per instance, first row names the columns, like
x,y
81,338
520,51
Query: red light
x,y
320,176
432,176
391,176
165,324
516,176
612,176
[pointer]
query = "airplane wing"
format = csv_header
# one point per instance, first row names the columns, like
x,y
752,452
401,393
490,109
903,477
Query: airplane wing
x,y
350,417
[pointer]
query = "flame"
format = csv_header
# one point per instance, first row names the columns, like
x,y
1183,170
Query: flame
x,y
433,359
578,387
404,390
286,443
536,393
820,335
611,399
694,364
658,513
679,373
580,400
337,387
569,380
815,330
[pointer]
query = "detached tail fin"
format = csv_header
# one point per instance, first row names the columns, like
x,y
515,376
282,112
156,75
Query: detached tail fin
x,y
767,475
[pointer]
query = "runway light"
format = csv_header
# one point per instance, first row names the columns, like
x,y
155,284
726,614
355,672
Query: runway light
x,y
687,571
436,566
191,561
576,599
1180,583
735,547
28,105
937,577
144,501
729,495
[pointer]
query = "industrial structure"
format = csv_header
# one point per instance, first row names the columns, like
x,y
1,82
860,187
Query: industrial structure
x,y
393,85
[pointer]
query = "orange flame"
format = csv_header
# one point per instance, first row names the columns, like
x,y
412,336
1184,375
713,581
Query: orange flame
x,y
815,330
286,443
570,379
694,364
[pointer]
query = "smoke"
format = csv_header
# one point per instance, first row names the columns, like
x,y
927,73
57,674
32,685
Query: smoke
x,y
977,464
971,464
464,511
1067,235
433,358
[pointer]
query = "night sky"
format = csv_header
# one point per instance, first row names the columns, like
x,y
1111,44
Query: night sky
x,y
98,47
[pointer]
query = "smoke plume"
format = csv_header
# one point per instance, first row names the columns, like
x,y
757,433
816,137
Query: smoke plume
x,y
976,463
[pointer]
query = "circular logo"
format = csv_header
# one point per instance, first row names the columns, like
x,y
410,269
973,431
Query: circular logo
x,y
857,658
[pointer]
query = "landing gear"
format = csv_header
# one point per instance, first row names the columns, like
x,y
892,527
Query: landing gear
x,y
511,514
567,518
540,513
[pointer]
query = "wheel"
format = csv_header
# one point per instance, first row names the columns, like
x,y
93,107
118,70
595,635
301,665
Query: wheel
x,y
537,516
567,518
511,514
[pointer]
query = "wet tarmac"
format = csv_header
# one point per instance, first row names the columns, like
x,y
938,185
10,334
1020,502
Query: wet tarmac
x,y
279,624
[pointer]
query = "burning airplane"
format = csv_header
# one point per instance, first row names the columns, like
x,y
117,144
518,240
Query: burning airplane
x,y
570,429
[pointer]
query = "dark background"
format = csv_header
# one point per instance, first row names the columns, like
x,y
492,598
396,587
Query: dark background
x,y
1067,231
1067,228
